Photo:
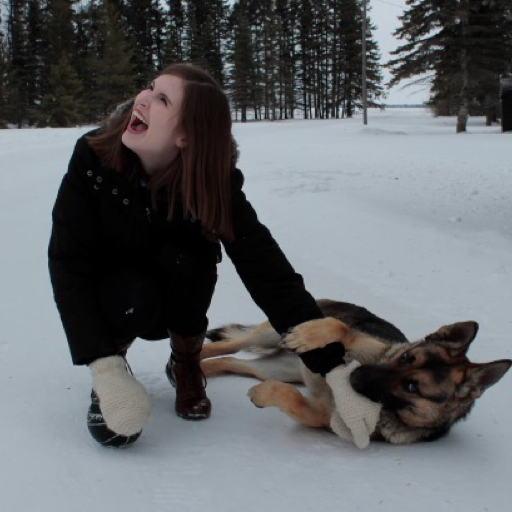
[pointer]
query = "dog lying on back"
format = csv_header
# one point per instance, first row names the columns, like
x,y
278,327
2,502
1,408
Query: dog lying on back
x,y
424,387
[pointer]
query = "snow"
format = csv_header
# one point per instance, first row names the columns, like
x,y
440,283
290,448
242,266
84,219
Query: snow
x,y
403,216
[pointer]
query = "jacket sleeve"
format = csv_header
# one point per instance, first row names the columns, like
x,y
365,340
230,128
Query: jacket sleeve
x,y
73,255
265,271
272,282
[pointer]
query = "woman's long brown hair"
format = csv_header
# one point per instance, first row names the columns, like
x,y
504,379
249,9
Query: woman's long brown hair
x,y
200,175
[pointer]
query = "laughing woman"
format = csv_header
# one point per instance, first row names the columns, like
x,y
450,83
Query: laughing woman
x,y
137,226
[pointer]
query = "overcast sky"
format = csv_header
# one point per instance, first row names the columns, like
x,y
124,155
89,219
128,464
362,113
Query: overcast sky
x,y
384,14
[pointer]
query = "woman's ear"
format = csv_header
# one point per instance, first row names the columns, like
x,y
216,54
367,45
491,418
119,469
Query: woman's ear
x,y
181,142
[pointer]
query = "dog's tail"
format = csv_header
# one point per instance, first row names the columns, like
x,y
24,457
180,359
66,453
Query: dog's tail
x,y
228,332
258,339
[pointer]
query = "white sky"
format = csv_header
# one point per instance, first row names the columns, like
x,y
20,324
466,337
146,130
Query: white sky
x,y
385,14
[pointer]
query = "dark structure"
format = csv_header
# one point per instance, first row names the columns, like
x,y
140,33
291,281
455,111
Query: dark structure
x,y
506,104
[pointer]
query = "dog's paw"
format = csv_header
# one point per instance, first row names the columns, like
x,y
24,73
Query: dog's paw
x,y
314,334
261,394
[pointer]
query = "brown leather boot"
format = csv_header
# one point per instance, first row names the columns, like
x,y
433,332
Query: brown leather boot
x,y
184,373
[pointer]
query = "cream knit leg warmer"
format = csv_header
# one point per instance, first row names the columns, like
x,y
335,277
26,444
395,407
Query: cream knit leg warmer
x,y
124,402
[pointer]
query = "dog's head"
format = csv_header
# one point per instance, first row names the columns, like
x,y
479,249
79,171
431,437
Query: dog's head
x,y
430,384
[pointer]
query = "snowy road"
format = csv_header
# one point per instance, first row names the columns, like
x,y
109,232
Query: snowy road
x,y
403,217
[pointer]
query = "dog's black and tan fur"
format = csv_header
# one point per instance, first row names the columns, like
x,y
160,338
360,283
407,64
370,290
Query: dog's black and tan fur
x,y
424,387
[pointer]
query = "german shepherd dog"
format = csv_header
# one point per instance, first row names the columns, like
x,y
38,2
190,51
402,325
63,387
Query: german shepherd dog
x,y
424,387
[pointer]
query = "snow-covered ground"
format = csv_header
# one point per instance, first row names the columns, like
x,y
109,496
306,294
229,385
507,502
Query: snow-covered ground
x,y
403,217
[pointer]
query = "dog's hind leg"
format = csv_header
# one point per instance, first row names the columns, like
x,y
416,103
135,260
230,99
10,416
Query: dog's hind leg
x,y
233,338
292,402
283,366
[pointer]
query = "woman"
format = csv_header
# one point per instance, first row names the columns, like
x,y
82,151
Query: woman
x,y
135,243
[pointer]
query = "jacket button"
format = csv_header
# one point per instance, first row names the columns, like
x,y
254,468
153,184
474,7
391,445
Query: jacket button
x,y
114,191
126,202
99,179
89,173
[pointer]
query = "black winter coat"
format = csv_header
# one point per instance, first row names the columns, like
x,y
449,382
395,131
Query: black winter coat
x,y
102,221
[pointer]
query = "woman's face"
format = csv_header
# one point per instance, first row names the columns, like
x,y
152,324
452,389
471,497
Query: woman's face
x,y
153,133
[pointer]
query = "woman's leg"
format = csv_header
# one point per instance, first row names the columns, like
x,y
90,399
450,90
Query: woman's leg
x,y
190,279
131,303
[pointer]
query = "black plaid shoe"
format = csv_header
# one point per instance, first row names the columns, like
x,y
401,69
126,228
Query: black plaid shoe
x,y
99,430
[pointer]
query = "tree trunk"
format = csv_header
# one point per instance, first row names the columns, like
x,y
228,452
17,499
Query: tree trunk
x,y
462,118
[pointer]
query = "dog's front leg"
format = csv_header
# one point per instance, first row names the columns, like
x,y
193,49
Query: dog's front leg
x,y
290,400
317,334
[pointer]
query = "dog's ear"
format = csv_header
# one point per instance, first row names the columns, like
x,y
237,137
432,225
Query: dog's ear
x,y
456,338
479,377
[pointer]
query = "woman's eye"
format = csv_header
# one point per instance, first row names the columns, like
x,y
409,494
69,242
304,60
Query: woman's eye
x,y
163,99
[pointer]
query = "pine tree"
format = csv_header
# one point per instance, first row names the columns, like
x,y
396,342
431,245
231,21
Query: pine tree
x,y
61,105
287,12
267,27
350,34
108,77
115,81
305,56
35,58
463,44
174,49
17,73
205,22
3,116
144,21
242,74
374,78
60,85
88,55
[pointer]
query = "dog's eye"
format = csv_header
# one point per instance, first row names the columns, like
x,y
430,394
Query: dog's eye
x,y
411,387
407,358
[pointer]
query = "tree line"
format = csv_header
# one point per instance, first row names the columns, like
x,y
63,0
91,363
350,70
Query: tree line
x,y
64,62
460,48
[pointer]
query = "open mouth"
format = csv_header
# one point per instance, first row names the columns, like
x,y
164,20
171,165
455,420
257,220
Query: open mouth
x,y
137,124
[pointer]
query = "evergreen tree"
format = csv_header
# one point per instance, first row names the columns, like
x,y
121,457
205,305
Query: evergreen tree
x,y
115,81
287,12
145,21
463,44
87,55
174,50
17,56
305,55
106,60
241,86
59,27
206,26
3,116
61,105
267,25
61,88
35,58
